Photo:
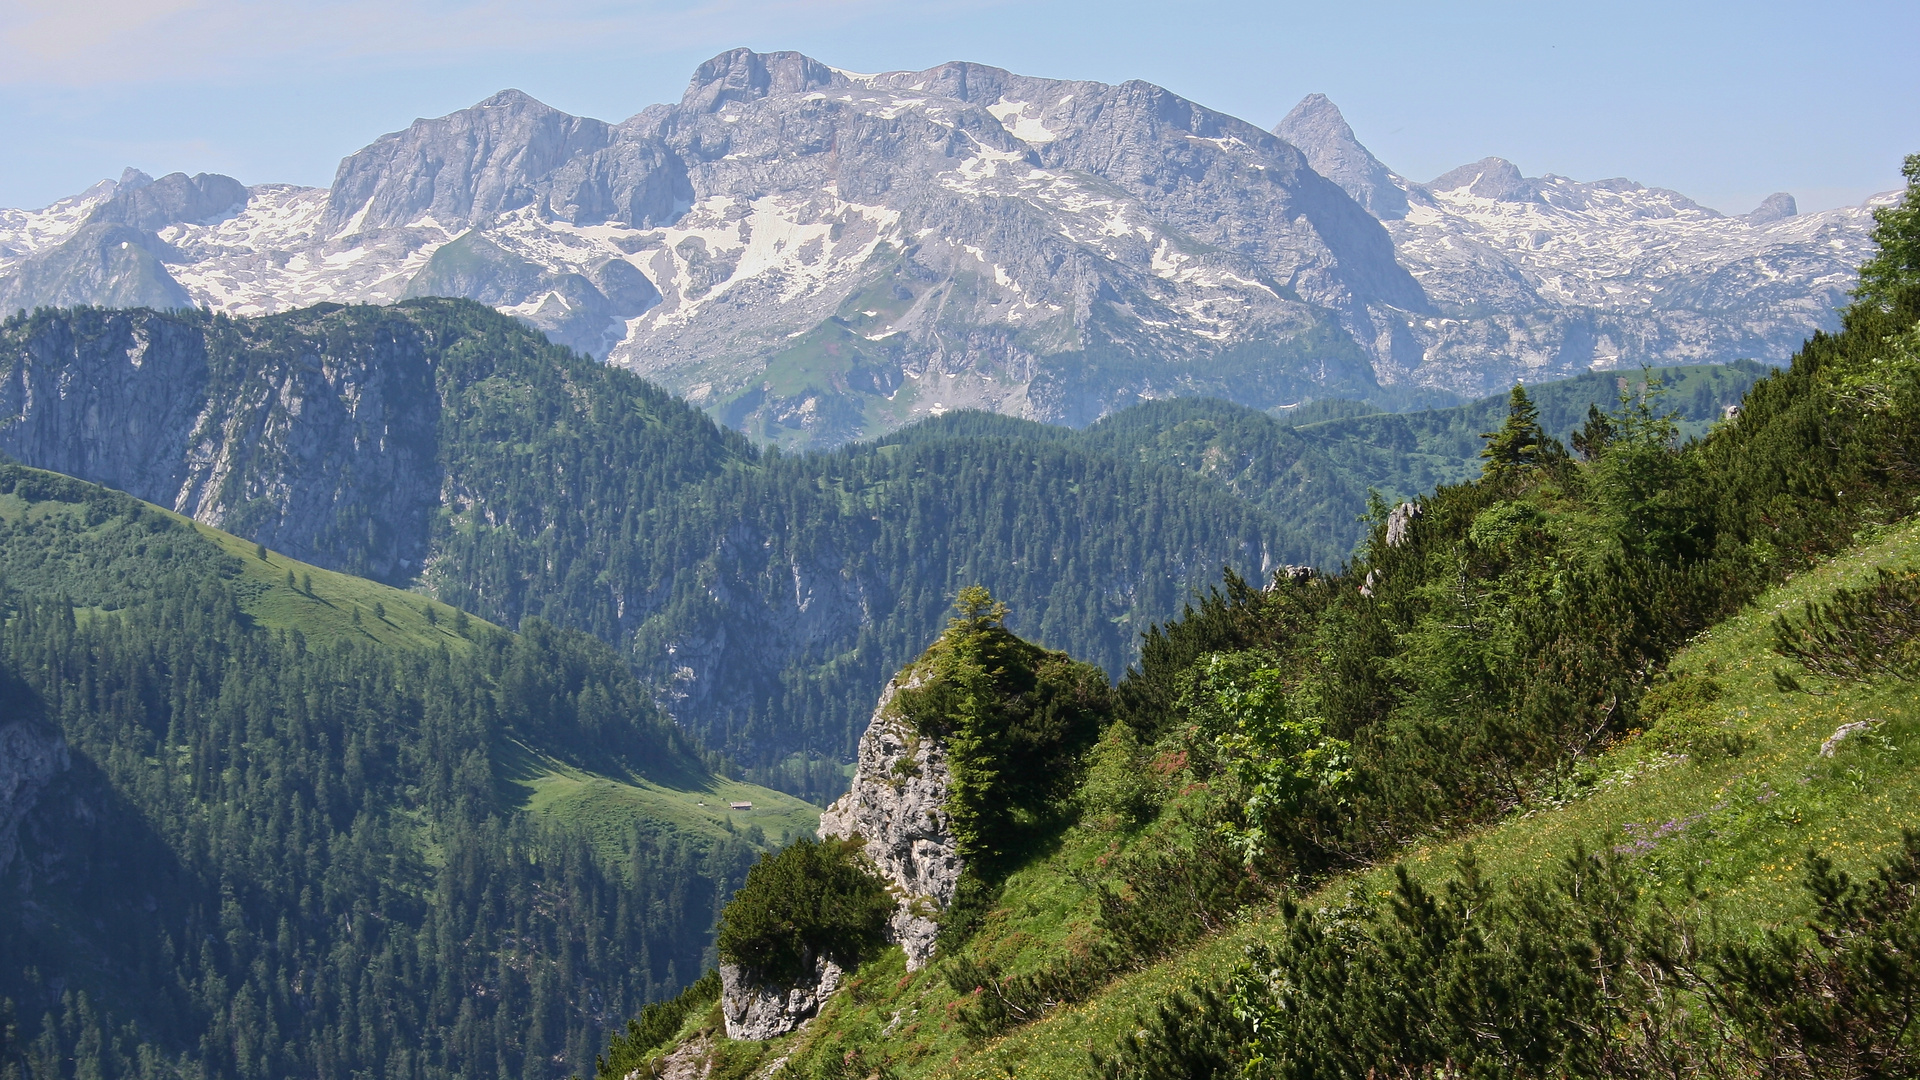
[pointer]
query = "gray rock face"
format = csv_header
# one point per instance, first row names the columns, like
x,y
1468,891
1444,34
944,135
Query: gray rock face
x,y
1317,128
1400,522
459,168
1488,178
815,255
1778,206
757,1011
573,309
176,198
897,808
100,263
330,458
30,755
1534,278
896,811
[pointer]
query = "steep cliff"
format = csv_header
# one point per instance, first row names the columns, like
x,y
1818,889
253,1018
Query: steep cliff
x,y
897,809
896,817
756,1009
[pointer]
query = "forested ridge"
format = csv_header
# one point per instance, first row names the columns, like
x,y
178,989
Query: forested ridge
x,y
278,852
764,597
517,479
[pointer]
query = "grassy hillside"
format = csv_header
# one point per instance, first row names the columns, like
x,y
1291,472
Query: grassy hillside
x,y
1721,835
1713,809
103,551
1596,765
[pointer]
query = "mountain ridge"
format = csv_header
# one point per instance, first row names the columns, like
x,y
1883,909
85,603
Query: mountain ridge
x,y
816,256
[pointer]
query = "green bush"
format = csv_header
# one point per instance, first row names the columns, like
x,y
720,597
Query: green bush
x,y
1118,791
816,898
1858,634
1573,975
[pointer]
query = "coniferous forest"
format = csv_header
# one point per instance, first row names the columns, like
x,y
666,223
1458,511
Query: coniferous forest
x,y
765,596
276,855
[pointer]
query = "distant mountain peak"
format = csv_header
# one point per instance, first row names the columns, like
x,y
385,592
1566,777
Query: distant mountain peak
x,y
1489,178
512,97
453,170
1317,128
1778,206
176,198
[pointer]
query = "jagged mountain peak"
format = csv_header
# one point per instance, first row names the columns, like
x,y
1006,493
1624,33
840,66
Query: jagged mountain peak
x,y
1318,129
513,98
173,199
816,255
453,170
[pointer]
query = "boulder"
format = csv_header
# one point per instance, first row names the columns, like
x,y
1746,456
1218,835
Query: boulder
x,y
756,1010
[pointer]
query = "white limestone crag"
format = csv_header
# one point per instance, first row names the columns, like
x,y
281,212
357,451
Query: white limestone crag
x,y
896,812
756,1011
896,809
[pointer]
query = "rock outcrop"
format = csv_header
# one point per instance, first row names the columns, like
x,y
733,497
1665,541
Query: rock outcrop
x,y
757,1011
1317,128
325,451
896,808
896,811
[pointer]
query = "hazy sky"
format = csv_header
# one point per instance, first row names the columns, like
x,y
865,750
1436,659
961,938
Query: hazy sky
x,y
1725,102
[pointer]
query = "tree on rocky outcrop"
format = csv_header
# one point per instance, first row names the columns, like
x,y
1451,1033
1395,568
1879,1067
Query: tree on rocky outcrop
x,y
1016,719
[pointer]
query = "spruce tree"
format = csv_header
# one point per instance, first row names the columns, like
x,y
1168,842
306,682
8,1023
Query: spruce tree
x,y
1520,443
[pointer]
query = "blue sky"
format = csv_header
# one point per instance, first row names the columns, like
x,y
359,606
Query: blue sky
x,y
1724,102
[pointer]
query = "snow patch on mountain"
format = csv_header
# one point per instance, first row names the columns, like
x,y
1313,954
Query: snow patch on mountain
x,y
817,255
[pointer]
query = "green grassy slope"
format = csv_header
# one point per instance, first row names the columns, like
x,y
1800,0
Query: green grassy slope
x,y
1739,825
1686,811
105,551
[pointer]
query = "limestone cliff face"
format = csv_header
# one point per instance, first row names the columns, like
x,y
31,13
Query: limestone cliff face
x,y
896,811
897,808
30,755
327,454
756,1011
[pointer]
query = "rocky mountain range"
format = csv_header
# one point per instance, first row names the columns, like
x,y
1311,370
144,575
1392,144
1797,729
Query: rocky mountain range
x,y
815,255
